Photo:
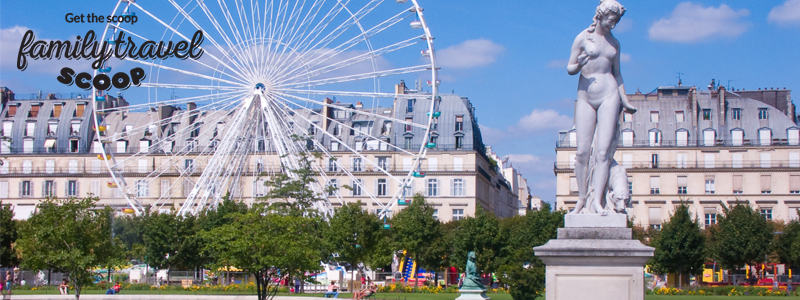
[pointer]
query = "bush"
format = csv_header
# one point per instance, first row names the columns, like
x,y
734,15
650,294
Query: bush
x,y
721,291
403,288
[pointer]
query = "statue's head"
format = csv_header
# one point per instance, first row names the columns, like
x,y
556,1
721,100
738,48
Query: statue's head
x,y
607,15
471,255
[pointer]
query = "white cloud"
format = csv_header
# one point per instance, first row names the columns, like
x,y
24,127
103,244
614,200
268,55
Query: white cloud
x,y
691,22
541,120
786,14
624,57
558,64
469,54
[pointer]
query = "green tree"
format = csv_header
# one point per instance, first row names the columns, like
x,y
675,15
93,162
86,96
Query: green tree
x,y
521,269
787,246
414,229
354,234
680,247
170,241
742,236
8,235
480,234
268,245
68,235
128,229
291,192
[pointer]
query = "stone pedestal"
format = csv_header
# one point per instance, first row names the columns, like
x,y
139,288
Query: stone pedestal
x,y
467,294
589,261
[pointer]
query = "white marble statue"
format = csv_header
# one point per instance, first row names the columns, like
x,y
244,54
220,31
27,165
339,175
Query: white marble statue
x,y
601,98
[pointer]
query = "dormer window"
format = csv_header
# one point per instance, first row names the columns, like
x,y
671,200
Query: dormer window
x,y
56,112
34,112
459,123
52,128
12,110
7,127
79,110
30,128
75,128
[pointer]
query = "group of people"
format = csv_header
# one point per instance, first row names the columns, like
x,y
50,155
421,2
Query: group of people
x,y
367,289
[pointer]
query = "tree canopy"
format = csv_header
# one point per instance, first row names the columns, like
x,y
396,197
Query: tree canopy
x,y
8,235
742,236
680,247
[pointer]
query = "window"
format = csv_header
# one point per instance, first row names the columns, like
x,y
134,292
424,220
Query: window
x,y
655,185
709,185
683,181
26,189
410,106
357,187
27,146
458,163
73,167
436,214
95,187
433,187
794,184
680,160
49,166
654,214
165,188
654,161
334,146
763,114
709,137
382,191
336,129
737,137
627,138
794,159
332,167
738,180
7,126
142,164
736,114
766,160
188,165
627,117
12,111
458,214
49,189
144,145
459,142
573,138
573,185
630,185
654,117
333,187
357,164
710,218
765,137
433,164
52,128
409,121
706,114
679,116
27,166
793,136
122,145
655,138
79,110
72,188
141,188
3,189
766,184
75,127
407,163
407,143
766,213
458,188
5,146
459,123
30,129
709,160
383,163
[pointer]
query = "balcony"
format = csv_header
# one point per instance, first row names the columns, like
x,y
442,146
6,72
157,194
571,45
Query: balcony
x,y
744,164
644,143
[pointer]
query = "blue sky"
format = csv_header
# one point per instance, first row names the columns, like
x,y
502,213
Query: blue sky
x,y
509,57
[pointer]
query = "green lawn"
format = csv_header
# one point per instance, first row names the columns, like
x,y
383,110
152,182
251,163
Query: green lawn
x,y
389,296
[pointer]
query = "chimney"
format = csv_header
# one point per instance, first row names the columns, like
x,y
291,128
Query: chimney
x,y
400,88
327,112
359,104
721,106
712,85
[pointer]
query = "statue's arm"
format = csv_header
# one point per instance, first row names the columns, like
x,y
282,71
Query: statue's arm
x,y
621,84
577,59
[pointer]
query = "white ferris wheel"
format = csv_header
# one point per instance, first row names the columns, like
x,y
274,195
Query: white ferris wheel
x,y
271,70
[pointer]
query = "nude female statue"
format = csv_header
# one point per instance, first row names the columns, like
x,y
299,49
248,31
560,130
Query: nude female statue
x,y
601,96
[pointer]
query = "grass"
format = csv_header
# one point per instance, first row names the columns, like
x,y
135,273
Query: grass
x,y
382,296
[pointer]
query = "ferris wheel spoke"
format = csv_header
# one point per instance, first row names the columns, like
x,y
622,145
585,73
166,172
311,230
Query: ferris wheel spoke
x,y
350,110
353,20
190,86
172,102
357,59
184,72
247,58
342,93
363,36
173,29
362,76
229,44
305,44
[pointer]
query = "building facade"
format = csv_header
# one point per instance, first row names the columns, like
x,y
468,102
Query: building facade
x,y
705,148
50,148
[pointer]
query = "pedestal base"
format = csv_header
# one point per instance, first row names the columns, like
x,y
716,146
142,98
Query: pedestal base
x,y
594,263
472,295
